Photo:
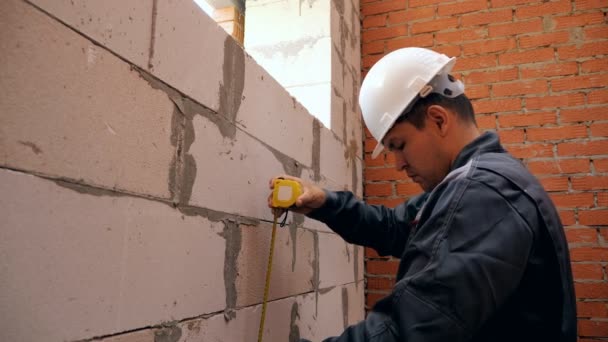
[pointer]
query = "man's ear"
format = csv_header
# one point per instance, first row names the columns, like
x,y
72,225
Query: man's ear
x,y
439,118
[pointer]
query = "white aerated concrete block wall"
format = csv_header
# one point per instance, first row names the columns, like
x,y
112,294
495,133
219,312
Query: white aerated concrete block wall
x,y
136,144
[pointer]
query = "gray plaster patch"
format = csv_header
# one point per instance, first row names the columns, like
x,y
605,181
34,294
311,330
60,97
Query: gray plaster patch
x,y
287,49
231,89
232,234
339,4
290,165
31,145
326,290
316,150
217,216
345,307
297,220
315,270
168,334
83,189
294,330
350,154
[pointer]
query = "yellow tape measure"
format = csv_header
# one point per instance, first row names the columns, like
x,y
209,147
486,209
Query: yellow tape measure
x,y
284,196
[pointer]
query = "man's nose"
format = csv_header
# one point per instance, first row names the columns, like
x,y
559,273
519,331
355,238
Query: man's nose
x,y
400,162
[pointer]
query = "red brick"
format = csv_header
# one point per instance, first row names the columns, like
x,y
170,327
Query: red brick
x,y
486,121
593,217
387,202
598,96
531,56
582,235
511,136
510,29
472,63
548,70
602,199
589,254
474,19
421,40
448,50
369,144
579,82
554,183
489,46
383,174
546,8
567,217
589,4
383,33
377,283
462,7
590,183
500,75
588,271
478,91
372,253
592,327
601,165
531,150
384,267
378,189
505,3
592,309
520,88
544,39
374,21
372,48
519,120
372,298
572,200
586,114
408,189
584,50
596,32
556,101
495,106
411,14
594,65
383,7
419,3
578,20
564,166
369,61
599,130
460,36
586,148
556,133
434,25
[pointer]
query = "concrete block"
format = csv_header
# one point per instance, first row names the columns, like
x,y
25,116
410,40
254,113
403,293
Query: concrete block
x,y
292,267
124,27
269,113
71,109
280,324
196,56
316,99
329,312
88,263
246,164
338,261
335,160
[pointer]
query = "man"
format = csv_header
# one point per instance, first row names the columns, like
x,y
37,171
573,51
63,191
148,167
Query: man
x,y
483,253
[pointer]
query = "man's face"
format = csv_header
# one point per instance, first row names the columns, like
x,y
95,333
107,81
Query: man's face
x,y
419,153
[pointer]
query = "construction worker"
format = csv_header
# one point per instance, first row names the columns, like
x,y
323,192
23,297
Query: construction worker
x,y
483,252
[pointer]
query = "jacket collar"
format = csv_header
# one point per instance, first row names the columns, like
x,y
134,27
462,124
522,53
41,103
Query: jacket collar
x,y
485,143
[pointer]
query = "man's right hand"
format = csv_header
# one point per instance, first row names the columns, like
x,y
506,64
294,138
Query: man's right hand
x,y
312,197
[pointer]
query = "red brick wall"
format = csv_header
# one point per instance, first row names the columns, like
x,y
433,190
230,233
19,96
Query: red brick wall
x,y
537,73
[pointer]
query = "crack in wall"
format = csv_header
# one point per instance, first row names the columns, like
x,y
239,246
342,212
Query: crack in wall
x,y
345,307
315,270
316,150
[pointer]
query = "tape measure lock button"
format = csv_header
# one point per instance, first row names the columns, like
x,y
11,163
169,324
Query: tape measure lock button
x,y
285,193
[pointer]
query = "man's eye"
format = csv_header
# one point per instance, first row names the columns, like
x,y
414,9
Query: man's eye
x,y
399,147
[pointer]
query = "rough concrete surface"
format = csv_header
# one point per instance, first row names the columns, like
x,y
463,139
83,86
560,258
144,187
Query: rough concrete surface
x,y
124,27
94,264
70,109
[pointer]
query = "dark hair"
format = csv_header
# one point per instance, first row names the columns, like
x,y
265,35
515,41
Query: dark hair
x,y
461,105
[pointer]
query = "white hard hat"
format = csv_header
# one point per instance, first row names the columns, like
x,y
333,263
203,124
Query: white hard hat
x,y
397,80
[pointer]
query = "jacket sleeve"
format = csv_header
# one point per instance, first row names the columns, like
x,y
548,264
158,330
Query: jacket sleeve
x,y
478,257
384,229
